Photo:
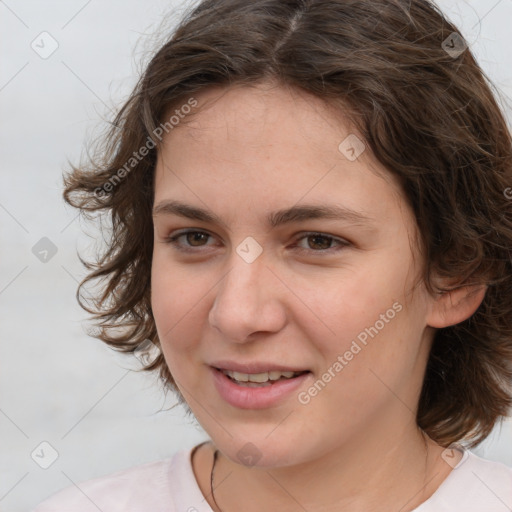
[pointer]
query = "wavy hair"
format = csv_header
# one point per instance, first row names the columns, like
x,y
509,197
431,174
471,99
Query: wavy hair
x,y
430,117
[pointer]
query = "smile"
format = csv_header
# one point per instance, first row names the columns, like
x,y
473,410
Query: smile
x,y
257,390
259,379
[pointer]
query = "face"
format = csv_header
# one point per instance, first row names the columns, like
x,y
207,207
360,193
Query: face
x,y
334,295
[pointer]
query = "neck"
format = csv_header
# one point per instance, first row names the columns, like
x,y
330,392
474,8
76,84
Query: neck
x,y
399,471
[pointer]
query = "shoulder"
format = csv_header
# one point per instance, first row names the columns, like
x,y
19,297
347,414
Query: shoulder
x,y
491,473
145,487
492,478
475,484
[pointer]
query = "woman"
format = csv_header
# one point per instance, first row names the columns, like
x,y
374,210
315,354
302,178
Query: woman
x,y
309,223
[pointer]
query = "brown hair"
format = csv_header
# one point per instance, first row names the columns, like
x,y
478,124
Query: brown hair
x,y
428,115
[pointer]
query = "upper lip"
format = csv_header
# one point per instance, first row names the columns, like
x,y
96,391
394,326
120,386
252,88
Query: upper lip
x,y
254,367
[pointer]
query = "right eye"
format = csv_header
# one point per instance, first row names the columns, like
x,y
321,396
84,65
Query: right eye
x,y
192,237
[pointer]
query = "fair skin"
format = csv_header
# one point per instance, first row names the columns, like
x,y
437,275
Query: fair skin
x,y
355,446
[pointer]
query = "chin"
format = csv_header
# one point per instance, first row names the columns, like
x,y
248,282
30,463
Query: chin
x,y
262,454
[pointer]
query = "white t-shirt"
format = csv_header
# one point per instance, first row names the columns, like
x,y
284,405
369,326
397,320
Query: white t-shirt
x,y
169,485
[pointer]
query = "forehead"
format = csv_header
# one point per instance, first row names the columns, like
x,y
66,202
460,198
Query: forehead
x,y
265,115
263,122
270,147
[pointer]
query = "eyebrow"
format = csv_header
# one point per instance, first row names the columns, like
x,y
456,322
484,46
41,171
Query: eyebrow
x,y
277,218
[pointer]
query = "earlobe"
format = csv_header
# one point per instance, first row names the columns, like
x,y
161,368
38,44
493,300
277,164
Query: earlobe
x,y
455,306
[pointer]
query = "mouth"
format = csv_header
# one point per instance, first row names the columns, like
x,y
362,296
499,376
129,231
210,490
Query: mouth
x,y
258,390
263,379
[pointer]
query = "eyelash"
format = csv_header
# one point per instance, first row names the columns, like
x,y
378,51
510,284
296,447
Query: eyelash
x,y
173,240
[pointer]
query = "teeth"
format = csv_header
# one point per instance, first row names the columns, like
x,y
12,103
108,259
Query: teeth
x,y
259,377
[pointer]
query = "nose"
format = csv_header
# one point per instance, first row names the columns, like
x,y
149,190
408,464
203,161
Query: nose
x,y
248,301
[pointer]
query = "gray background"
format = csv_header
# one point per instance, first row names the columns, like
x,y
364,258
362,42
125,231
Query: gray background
x,y
56,384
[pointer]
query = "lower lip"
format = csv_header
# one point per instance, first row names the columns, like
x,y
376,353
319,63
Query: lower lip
x,y
245,397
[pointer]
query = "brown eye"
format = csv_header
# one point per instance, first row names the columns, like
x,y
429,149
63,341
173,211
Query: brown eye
x,y
321,243
316,242
192,239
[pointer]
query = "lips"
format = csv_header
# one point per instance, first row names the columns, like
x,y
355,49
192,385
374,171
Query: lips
x,y
257,396
255,367
265,377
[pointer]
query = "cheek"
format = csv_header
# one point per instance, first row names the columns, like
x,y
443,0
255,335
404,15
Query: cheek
x,y
172,296
179,301
163,297
366,313
347,303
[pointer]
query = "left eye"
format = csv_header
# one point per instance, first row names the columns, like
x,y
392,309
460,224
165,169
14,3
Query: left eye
x,y
194,239
321,242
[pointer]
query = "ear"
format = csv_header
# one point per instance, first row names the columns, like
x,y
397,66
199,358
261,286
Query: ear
x,y
455,306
